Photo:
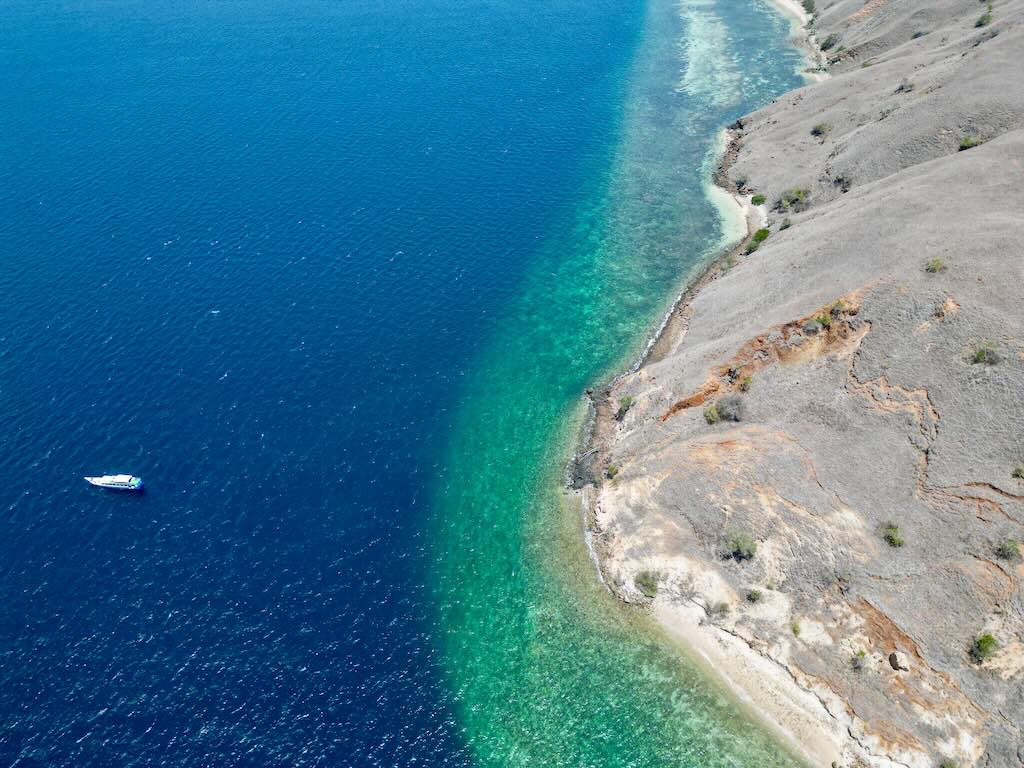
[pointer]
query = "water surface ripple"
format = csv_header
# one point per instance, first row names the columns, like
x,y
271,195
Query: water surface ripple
x,y
331,276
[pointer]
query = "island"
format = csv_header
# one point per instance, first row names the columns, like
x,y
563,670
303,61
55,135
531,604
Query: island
x,y
815,477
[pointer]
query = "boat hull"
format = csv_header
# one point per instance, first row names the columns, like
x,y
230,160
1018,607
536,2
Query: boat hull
x,y
117,483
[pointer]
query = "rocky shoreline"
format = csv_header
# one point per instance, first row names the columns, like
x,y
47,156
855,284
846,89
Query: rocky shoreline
x,y
814,476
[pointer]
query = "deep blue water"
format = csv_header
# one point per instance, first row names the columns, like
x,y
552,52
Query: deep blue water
x,y
261,254
247,249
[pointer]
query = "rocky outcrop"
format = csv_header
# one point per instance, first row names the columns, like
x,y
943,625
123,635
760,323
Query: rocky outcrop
x,y
856,525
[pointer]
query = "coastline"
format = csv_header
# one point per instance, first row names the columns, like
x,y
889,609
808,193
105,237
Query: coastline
x,y
815,67
799,544
762,684
765,687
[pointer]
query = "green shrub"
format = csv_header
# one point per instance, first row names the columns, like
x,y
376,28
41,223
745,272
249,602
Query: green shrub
x,y
786,224
809,6
1008,550
759,237
830,41
821,130
795,628
745,383
647,583
949,764
740,545
905,87
730,408
969,142
891,534
612,471
858,660
793,199
625,403
754,596
1018,473
711,415
758,199
984,647
824,320
934,266
984,20
918,34
985,354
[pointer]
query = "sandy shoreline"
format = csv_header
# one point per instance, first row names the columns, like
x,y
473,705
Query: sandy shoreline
x,y
816,454
766,690
764,686
814,59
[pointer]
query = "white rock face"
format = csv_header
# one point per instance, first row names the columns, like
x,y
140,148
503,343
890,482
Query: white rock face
x,y
899,661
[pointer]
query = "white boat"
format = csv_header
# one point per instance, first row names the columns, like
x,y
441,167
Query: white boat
x,y
117,482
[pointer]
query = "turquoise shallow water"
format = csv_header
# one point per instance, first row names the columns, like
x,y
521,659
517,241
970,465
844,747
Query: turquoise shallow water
x,y
331,275
548,668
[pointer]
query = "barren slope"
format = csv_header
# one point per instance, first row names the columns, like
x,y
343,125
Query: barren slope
x,y
875,342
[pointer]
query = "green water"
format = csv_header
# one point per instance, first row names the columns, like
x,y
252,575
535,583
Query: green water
x,y
548,669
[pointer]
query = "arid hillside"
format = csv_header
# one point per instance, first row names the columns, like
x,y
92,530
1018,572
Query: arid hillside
x,y
821,467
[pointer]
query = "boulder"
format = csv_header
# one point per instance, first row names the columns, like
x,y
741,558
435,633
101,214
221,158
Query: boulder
x,y
899,661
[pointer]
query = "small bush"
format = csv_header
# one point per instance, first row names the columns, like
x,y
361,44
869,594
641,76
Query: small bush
x,y
918,34
795,628
949,764
730,408
740,545
1018,473
984,20
824,320
969,142
793,199
821,130
625,403
758,199
985,354
786,224
984,647
858,660
759,237
809,6
745,383
711,415
754,596
934,266
830,41
891,534
718,610
905,87
647,583
612,471
1008,550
